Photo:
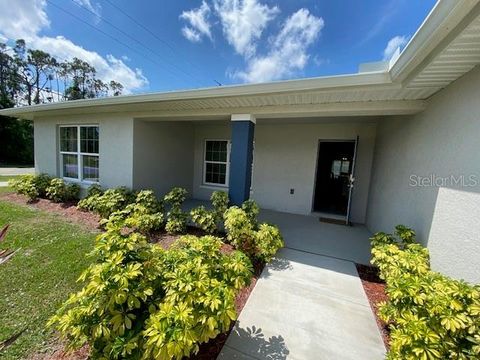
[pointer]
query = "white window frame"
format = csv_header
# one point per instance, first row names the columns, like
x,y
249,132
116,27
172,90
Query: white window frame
x,y
227,174
78,153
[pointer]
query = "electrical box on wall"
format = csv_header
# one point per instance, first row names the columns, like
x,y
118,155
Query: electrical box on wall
x,y
292,191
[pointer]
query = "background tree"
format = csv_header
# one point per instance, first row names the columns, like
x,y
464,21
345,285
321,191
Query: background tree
x,y
33,76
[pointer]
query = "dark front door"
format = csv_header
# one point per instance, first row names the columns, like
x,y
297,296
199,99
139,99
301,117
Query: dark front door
x,y
334,167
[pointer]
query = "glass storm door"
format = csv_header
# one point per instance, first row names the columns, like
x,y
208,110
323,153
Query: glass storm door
x,y
334,178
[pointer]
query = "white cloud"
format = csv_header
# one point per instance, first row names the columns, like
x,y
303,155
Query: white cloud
x,y
22,20
108,68
243,22
199,24
288,51
191,34
26,20
393,44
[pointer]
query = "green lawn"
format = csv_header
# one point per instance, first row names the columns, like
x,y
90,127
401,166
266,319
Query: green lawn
x,y
40,276
5,190
8,177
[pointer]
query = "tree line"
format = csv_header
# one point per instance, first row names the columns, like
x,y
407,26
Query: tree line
x,y
31,76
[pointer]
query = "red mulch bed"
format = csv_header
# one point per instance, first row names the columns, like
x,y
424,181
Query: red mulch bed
x,y
69,211
375,289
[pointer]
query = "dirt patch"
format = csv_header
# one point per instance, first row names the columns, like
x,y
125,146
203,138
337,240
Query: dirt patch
x,y
375,290
165,240
67,211
56,351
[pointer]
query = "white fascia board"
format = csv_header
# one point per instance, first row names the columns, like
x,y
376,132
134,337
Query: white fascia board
x,y
444,17
243,117
328,82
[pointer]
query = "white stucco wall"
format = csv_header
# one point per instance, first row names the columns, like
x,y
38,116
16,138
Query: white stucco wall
x,y
115,146
163,155
285,157
442,141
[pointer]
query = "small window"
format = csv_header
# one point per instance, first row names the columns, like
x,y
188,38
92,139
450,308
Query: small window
x,y
216,162
79,155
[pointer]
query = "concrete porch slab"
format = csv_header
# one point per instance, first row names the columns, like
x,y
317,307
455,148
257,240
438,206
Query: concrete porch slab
x,y
307,233
306,306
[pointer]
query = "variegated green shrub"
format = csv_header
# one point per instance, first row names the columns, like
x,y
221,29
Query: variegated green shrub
x,y
143,302
211,221
431,316
32,186
176,217
144,215
204,219
259,241
106,203
60,191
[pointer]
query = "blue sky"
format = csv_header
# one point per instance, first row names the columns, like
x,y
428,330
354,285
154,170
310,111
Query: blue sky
x,y
199,42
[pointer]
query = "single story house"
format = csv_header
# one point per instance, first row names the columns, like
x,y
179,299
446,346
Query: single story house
x,y
397,142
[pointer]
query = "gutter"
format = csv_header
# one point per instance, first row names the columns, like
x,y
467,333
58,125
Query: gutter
x,y
442,19
319,83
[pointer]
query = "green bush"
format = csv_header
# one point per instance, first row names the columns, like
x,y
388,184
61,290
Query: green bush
x,y
220,202
143,302
147,199
176,197
94,189
268,241
252,210
145,215
240,230
204,219
108,202
176,222
176,217
32,186
259,241
59,191
210,221
431,316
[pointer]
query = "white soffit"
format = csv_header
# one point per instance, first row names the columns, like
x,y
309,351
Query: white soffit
x,y
445,47
460,56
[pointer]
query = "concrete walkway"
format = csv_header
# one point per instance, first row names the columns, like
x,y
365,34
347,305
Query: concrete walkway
x,y
16,171
306,306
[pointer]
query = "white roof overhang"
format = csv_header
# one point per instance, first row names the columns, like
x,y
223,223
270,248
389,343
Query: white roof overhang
x,y
446,46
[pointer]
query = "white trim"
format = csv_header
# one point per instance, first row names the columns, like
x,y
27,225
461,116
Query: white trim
x,y
79,154
324,82
244,117
213,187
443,23
441,20
227,163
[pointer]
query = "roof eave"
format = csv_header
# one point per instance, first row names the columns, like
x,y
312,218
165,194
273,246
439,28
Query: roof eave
x,y
320,83
444,17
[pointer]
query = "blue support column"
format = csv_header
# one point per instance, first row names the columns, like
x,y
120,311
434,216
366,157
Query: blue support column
x,y
241,157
